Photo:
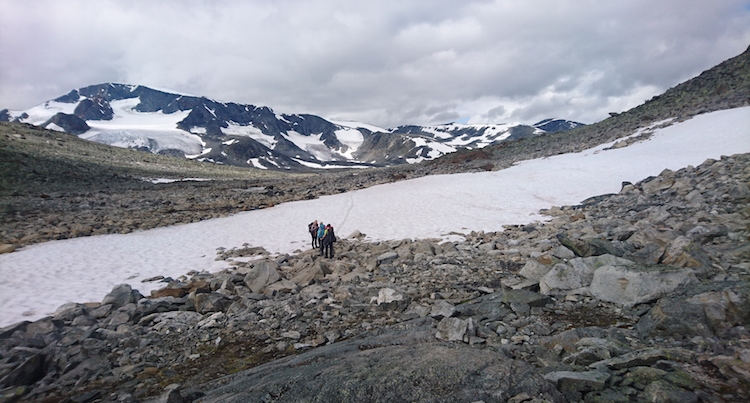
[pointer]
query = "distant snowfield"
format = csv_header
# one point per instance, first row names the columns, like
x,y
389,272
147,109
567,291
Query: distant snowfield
x,y
130,128
42,113
39,278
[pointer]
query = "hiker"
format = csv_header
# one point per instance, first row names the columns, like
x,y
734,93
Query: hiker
x,y
312,228
328,239
321,233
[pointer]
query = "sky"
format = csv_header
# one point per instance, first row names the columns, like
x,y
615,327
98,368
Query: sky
x,y
86,269
384,62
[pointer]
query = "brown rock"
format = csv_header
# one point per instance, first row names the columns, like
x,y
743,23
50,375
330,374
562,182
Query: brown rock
x,y
169,292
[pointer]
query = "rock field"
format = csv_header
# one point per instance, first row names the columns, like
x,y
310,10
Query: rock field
x,y
637,296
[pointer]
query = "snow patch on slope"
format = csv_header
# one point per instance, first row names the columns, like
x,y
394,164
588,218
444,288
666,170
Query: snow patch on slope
x,y
131,129
312,144
42,113
252,132
352,139
358,125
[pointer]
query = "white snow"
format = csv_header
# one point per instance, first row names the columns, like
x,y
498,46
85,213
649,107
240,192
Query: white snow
x,y
436,149
203,152
282,118
170,180
321,166
358,125
130,128
39,278
351,138
252,132
55,127
256,163
490,135
42,113
312,144
435,131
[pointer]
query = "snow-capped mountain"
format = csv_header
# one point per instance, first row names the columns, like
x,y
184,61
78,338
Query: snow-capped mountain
x,y
163,122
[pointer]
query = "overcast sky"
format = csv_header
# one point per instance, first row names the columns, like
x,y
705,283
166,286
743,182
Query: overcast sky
x,y
382,62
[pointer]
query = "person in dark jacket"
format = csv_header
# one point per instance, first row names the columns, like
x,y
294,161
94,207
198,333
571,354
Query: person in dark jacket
x,y
312,228
328,239
321,233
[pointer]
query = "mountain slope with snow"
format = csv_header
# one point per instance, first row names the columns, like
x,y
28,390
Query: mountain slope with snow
x,y
246,135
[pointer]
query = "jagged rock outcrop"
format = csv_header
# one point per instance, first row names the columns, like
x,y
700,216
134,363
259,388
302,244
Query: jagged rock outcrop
x,y
70,123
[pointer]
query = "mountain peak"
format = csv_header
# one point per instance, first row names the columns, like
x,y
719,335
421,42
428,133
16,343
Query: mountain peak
x,y
165,122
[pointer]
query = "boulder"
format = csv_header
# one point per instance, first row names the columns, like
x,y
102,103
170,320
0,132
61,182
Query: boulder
x,y
211,302
263,274
704,314
388,295
147,306
589,246
28,372
632,285
534,270
442,309
723,309
682,252
562,278
309,275
8,331
121,316
315,291
122,295
646,357
561,252
43,326
452,329
387,258
577,273
574,384
662,391
70,311
281,287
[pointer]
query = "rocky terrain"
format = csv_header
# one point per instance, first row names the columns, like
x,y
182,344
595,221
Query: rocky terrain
x,y
638,296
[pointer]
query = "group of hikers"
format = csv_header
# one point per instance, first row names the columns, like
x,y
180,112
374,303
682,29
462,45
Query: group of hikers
x,y
322,238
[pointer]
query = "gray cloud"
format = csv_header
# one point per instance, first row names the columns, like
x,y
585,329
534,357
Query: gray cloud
x,y
383,62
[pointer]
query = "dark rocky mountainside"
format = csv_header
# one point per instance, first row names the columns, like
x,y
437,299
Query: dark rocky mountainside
x,y
637,296
557,125
253,136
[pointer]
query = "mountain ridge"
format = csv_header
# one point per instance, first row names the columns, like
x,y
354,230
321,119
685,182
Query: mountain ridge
x,y
253,136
